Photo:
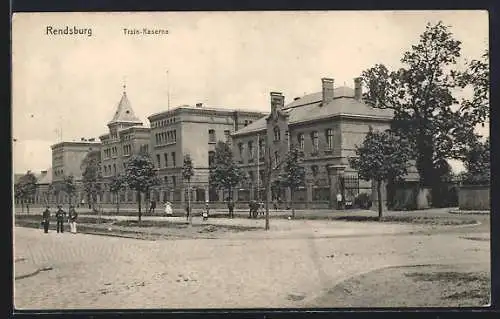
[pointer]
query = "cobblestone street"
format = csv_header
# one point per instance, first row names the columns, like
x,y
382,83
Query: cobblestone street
x,y
238,270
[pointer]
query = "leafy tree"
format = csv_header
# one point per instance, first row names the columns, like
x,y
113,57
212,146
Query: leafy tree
x,y
116,185
477,76
225,174
68,186
54,189
187,174
25,189
140,175
420,94
270,174
477,163
293,175
91,176
382,156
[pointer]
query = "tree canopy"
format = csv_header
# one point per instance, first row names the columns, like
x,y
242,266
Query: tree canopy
x,y
477,164
140,175
426,113
91,176
187,168
382,156
225,174
25,187
293,175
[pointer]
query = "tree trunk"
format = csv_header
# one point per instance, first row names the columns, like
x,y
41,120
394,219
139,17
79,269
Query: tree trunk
x,y
139,204
189,204
379,197
291,203
268,199
22,206
28,208
117,204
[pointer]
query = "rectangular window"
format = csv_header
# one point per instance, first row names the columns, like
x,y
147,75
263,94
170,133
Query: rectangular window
x,y
165,156
314,170
174,182
240,150
227,135
211,136
276,158
211,159
173,160
329,138
158,160
175,136
300,140
315,141
262,146
250,150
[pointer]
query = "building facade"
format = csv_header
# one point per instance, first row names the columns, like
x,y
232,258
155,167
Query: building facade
x,y
126,136
194,131
67,159
325,126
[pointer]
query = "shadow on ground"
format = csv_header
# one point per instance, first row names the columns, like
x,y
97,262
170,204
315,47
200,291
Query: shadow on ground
x,y
412,286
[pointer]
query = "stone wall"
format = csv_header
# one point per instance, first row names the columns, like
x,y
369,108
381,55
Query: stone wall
x,y
474,197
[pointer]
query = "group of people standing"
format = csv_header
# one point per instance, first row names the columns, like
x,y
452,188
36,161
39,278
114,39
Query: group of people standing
x,y
60,219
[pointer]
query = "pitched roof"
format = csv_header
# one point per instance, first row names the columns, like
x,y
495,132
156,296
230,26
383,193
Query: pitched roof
x,y
124,112
309,108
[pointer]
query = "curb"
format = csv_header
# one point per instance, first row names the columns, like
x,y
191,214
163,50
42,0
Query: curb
x,y
469,212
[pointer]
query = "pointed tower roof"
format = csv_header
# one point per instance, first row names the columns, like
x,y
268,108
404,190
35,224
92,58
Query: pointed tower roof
x,y
124,112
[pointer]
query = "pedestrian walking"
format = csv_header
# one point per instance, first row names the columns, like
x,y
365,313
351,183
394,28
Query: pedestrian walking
x,y
275,204
73,215
60,216
230,207
46,220
152,207
82,203
168,208
339,201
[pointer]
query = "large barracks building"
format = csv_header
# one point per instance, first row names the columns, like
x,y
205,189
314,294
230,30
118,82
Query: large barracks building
x,y
325,126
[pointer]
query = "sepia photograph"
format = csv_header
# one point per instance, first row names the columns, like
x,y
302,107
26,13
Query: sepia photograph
x,y
251,160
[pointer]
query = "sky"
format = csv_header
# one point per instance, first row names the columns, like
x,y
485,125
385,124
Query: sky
x,y
66,87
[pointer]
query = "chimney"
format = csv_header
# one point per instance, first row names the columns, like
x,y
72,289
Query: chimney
x,y
327,90
43,172
82,139
199,104
277,101
296,98
358,92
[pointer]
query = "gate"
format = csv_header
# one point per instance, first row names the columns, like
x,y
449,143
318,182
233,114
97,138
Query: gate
x,y
349,186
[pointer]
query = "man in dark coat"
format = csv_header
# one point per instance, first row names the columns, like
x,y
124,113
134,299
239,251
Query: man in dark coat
x,y
46,219
152,207
230,206
60,217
